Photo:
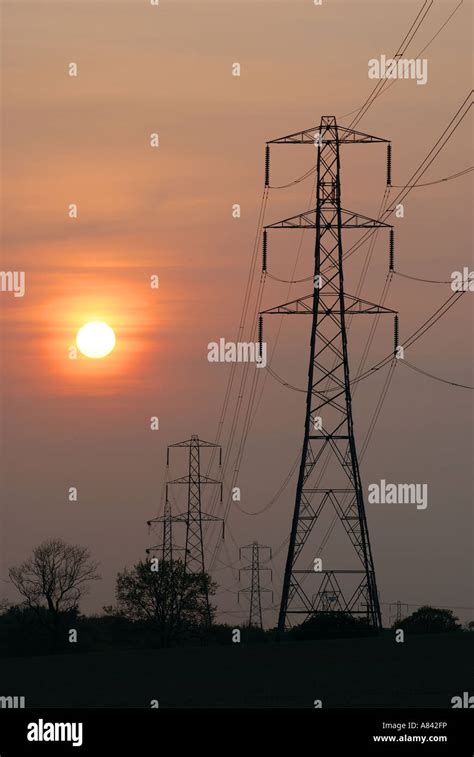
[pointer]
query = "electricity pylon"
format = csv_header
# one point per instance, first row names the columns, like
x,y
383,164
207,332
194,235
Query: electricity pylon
x,y
329,469
167,519
255,590
398,616
194,549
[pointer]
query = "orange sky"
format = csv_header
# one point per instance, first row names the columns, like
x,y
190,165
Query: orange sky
x,y
167,211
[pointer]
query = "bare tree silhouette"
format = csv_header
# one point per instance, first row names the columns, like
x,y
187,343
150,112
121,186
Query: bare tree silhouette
x,y
53,580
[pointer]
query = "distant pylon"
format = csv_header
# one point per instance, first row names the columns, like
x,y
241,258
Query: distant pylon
x,y
166,547
255,590
329,470
398,613
194,548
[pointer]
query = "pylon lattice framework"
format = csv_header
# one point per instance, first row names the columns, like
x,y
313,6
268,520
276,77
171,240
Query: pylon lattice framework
x,y
194,548
329,470
255,590
167,547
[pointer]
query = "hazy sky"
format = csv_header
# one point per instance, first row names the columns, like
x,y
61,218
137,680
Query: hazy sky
x,y
168,211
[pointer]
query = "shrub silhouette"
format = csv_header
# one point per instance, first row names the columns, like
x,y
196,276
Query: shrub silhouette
x,y
330,625
429,620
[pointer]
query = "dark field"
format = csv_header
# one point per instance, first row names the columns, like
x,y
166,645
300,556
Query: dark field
x,y
424,671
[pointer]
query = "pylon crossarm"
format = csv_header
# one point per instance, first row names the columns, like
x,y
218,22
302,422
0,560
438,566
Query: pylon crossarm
x,y
304,306
164,518
186,480
295,307
361,308
159,547
330,220
351,220
330,491
154,549
196,439
344,136
204,516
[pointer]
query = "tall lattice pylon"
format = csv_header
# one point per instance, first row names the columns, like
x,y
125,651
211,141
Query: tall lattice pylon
x,y
329,473
194,548
255,590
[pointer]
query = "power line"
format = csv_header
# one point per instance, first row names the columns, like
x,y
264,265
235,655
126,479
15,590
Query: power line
x,y
418,55
295,181
419,172
437,181
407,39
416,278
439,145
383,83
436,378
420,331
251,407
407,343
412,183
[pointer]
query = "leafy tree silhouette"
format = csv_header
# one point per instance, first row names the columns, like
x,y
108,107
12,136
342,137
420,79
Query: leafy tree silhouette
x,y
429,620
171,601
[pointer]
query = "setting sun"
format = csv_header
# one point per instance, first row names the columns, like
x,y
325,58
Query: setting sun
x,y
95,339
